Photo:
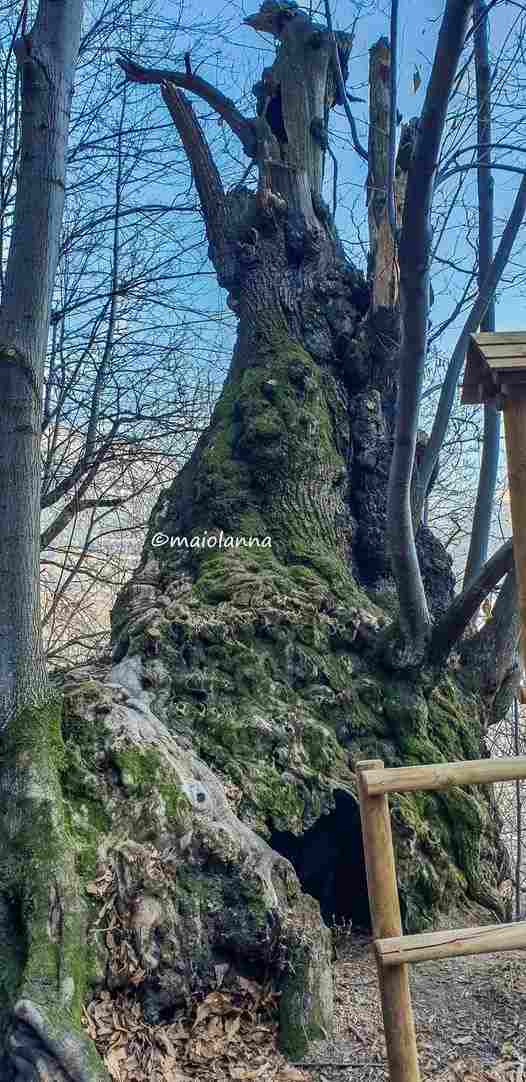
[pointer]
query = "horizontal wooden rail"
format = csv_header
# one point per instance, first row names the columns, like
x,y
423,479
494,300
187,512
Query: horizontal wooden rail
x,y
427,946
404,779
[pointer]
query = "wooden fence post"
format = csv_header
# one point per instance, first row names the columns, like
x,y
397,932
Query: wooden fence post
x,y
386,922
515,428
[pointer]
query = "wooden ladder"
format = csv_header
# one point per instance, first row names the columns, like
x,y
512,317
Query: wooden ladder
x,y
392,949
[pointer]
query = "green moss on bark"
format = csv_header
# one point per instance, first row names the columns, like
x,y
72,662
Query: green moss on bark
x,y
142,773
47,963
267,660
306,999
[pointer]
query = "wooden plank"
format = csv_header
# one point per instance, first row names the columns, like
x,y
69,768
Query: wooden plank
x,y
505,357
515,429
512,376
406,779
475,356
384,903
486,337
427,946
501,349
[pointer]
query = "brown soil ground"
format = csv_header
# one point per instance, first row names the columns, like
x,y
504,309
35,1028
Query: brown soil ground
x,y
470,1018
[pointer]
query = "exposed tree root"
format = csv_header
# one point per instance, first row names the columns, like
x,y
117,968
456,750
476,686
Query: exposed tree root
x,y
38,1056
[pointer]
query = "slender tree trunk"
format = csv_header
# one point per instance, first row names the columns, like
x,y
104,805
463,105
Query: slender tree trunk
x,y
46,58
484,298
415,257
482,517
41,980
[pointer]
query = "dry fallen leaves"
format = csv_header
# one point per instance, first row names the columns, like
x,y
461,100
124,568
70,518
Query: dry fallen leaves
x,y
229,1036
471,1070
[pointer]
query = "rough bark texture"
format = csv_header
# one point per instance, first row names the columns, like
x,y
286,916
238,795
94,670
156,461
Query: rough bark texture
x,y
245,681
42,912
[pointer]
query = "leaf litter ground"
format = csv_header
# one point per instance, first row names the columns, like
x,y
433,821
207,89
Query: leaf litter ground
x,y
470,1015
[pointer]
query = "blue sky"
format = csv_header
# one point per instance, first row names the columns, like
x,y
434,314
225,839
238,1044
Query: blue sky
x,y
231,56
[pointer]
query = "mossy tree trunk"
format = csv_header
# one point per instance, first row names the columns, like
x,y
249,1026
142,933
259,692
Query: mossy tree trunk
x,y
273,662
248,676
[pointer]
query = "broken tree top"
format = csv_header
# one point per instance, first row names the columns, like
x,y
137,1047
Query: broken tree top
x,y
274,15
495,366
271,15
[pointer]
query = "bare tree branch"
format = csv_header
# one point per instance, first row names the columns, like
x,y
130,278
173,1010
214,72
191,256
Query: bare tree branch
x,y
490,657
484,142
340,83
455,621
74,507
239,124
481,164
477,312
206,175
82,467
393,76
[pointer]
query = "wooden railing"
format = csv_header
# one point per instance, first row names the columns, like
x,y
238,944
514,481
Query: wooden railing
x,y
393,950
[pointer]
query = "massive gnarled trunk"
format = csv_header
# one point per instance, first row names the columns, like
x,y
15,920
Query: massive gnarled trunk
x,y
215,755
248,677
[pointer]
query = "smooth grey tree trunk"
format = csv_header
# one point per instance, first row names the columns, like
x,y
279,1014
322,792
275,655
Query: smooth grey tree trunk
x,y
483,513
415,261
47,58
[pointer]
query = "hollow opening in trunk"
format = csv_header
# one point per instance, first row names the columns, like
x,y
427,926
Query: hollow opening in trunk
x,y
328,860
274,116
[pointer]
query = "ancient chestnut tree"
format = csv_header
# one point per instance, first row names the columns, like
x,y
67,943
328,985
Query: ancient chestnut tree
x,y
287,218
206,775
